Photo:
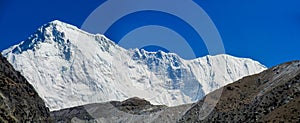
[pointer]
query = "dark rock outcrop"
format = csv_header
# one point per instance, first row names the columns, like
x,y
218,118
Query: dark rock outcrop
x,y
137,106
19,102
271,96
98,111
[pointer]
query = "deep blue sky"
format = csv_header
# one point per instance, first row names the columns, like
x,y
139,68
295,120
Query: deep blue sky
x,y
264,30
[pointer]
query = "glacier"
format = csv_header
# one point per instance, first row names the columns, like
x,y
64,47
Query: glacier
x,y
70,67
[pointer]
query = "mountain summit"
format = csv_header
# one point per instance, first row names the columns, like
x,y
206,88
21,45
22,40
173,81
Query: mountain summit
x,y
70,67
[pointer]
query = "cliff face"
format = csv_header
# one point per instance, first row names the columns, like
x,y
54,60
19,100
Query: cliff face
x,y
271,96
19,102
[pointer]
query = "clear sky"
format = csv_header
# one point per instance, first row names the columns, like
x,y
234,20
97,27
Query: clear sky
x,y
265,30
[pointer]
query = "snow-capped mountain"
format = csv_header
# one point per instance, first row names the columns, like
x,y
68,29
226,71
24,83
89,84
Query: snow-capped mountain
x,y
70,67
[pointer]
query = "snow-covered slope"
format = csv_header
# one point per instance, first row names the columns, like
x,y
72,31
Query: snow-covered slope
x,y
70,67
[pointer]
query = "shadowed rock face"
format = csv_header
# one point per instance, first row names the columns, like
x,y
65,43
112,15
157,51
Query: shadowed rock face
x,y
271,96
19,102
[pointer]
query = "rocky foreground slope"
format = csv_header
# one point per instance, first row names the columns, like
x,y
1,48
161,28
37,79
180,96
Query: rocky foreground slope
x,y
19,102
271,96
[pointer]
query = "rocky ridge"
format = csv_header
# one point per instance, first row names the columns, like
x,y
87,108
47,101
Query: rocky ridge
x,y
19,102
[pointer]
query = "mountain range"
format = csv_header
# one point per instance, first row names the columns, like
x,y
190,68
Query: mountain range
x,y
70,67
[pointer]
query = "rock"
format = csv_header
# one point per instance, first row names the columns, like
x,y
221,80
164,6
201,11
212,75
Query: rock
x,y
19,102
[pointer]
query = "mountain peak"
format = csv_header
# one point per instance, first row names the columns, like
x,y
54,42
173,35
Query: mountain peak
x,y
58,34
49,33
59,23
